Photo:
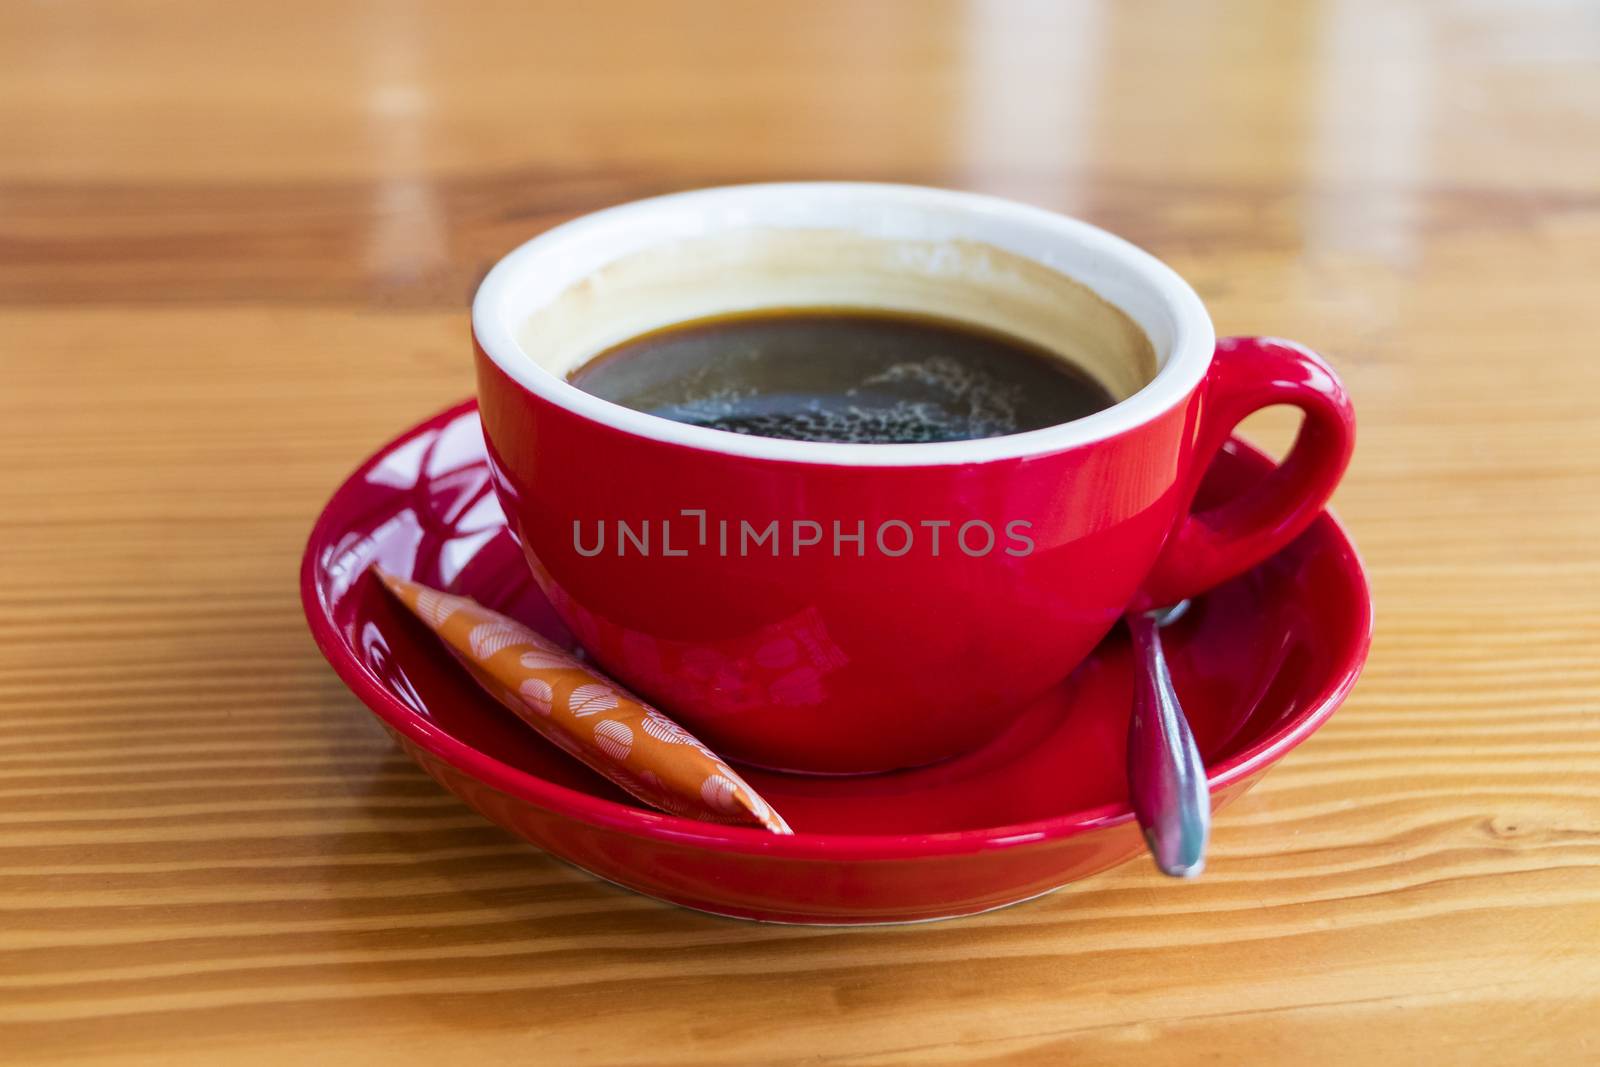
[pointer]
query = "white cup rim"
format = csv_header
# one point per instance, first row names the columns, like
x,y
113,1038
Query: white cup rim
x,y
563,255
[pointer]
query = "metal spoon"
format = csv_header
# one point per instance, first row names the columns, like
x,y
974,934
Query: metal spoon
x,y
1166,777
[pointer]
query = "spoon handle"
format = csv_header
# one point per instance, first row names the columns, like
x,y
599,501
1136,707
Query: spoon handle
x,y
1166,776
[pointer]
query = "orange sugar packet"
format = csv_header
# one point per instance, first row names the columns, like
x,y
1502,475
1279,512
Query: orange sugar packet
x,y
586,714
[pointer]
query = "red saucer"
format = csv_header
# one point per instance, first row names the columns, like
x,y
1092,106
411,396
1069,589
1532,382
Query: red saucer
x,y
1260,663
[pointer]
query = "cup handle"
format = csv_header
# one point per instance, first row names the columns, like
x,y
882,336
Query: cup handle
x,y
1248,374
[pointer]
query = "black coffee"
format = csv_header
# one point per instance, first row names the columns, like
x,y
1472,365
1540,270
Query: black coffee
x,y
831,375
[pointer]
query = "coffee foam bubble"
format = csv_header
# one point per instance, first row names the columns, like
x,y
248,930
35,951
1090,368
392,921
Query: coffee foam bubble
x,y
959,402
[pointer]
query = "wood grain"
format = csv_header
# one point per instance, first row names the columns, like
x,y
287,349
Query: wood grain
x,y
236,245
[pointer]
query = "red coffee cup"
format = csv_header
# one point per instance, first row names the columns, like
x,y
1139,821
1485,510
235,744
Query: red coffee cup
x,y
839,608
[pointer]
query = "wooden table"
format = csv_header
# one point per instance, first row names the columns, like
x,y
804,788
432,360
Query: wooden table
x,y
237,244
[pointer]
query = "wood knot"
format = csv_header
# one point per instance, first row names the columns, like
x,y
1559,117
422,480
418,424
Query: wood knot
x,y
1504,828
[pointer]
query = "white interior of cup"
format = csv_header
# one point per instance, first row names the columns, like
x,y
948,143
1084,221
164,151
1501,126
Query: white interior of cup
x,y
1096,300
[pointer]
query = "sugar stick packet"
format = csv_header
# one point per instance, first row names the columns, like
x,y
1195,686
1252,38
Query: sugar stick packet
x,y
586,714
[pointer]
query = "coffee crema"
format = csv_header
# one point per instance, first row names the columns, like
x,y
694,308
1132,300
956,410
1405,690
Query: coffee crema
x,y
851,375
